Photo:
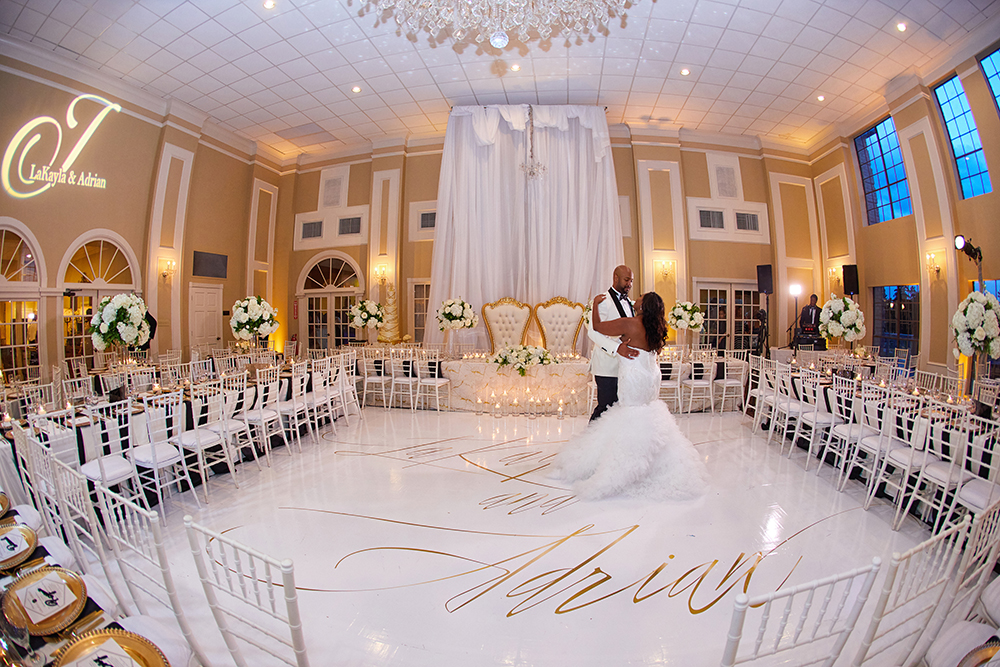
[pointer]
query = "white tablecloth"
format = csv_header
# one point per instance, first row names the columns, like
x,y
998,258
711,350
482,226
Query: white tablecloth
x,y
472,380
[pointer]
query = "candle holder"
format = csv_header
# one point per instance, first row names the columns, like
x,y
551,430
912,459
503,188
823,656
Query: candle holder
x,y
497,413
479,407
548,406
532,408
560,414
515,408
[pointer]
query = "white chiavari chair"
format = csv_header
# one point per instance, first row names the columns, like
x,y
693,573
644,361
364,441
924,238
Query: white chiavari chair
x,y
20,489
699,382
141,380
206,437
82,530
768,396
845,400
730,386
787,407
917,581
35,396
39,464
173,375
319,353
112,381
814,418
343,387
235,427
226,365
295,411
319,405
78,390
264,418
137,543
202,370
754,387
926,380
103,359
290,349
376,379
976,569
257,613
403,378
430,380
793,620
865,452
161,463
670,381
112,429
57,430
982,462
170,357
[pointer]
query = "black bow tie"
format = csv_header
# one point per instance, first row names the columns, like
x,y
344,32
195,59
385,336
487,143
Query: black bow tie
x,y
622,296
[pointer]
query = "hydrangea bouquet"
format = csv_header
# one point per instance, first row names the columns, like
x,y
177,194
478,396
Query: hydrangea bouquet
x,y
976,326
252,318
119,320
367,314
522,357
685,315
842,318
456,314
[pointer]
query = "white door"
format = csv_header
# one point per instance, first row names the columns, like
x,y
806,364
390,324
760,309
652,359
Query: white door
x,y
205,315
730,311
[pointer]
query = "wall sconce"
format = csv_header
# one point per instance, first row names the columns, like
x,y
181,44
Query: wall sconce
x,y
666,268
932,266
834,273
167,268
381,272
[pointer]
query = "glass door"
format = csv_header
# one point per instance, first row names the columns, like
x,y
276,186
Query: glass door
x,y
730,311
328,318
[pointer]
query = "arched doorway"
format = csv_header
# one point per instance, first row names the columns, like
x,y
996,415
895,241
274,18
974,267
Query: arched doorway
x,y
20,284
328,289
97,265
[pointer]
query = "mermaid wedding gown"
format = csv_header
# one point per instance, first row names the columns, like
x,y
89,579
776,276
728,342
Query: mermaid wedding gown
x,y
635,448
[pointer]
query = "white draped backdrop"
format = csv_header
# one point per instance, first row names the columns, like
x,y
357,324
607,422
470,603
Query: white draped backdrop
x,y
499,234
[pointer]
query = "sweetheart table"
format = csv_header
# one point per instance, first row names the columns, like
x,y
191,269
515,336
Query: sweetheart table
x,y
473,380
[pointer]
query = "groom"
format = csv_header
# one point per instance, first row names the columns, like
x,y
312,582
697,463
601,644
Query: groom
x,y
603,362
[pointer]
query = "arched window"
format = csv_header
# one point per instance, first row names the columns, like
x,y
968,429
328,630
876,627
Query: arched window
x,y
99,266
19,352
330,287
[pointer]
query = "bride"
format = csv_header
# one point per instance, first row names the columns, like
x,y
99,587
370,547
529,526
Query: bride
x,y
635,448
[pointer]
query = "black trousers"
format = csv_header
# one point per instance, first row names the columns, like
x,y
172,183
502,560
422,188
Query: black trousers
x,y
607,394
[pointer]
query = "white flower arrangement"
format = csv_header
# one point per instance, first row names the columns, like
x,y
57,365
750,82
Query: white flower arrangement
x,y
976,326
842,318
456,314
587,310
252,318
119,320
367,314
685,315
522,357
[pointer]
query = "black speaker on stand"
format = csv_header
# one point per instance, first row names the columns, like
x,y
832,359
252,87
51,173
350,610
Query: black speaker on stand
x,y
851,286
765,285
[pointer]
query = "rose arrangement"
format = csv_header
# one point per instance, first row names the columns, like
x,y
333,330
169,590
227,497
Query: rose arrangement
x,y
367,314
456,314
253,317
842,317
119,320
522,357
685,315
976,326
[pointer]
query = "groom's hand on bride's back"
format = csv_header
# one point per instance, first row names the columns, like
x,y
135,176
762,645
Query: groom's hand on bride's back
x,y
626,351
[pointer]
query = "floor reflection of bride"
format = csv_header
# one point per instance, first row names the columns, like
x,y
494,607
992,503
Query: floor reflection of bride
x,y
635,448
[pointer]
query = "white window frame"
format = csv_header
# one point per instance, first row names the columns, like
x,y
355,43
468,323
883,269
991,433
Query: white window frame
x,y
411,283
331,238
729,232
416,209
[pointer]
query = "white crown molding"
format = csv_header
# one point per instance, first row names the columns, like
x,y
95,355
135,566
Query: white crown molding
x,y
619,131
389,142
425,139
665,130
751,142
306,160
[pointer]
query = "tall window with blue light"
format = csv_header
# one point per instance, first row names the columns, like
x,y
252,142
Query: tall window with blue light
x,y
991,68
887,194
965,145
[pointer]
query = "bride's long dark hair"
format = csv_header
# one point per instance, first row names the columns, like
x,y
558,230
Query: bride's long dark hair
x,y
653,321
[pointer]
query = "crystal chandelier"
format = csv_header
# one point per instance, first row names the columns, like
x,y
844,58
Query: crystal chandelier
x,y
533,169
493,19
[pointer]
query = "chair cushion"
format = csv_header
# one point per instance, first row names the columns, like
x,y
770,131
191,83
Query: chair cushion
x,y
853,432
58,550
28,516
289,408
116,468
821,419
955,642
166,454
266,414
912,458
991,599
979,494
234,426
871,444
939,471
199,439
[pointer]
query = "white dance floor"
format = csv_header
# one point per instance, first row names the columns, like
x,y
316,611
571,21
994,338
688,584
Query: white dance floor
x,y
435,539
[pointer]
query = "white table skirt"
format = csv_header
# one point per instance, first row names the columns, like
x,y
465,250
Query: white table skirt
x,y
480,380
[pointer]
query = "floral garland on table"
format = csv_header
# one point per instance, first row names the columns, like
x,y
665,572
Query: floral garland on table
x,y
842,317
456,314
976,325
119,320
685,315
368,314
522,357
252,318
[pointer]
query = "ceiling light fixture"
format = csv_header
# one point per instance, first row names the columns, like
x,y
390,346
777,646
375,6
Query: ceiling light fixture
x,y
356,89
901,26
685,71
821,98
515,68
268,4
492,19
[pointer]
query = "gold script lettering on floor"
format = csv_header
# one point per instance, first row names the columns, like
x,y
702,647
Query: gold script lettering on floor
x,y
436,539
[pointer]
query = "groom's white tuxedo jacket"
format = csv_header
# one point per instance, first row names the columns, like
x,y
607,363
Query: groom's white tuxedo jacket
x,y
604,358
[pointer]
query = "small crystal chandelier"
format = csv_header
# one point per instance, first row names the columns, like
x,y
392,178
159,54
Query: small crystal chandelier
x,y
533,169
493,19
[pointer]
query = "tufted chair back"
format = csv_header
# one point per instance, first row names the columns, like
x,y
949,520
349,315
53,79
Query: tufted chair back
x,y
506,322
559,320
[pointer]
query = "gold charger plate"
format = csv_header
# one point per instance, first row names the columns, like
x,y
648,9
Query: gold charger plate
x,y
13,610
4,503
28,535
140,649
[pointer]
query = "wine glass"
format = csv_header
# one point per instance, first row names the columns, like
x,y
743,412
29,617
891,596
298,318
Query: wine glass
x,y
17,632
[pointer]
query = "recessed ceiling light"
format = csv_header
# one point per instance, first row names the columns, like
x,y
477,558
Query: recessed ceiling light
x,y
901,26
515,68
268,4
685,71
356,89
821,98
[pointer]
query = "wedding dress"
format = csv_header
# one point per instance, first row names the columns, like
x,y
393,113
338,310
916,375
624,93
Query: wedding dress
x,y
635,448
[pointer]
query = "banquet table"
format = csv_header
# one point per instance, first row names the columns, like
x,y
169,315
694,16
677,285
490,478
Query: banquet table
x,y
474,379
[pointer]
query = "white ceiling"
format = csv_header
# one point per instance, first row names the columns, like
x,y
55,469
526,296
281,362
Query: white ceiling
x,y
284,77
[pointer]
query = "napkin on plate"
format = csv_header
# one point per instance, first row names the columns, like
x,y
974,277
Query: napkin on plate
x,y
46,597
108,654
